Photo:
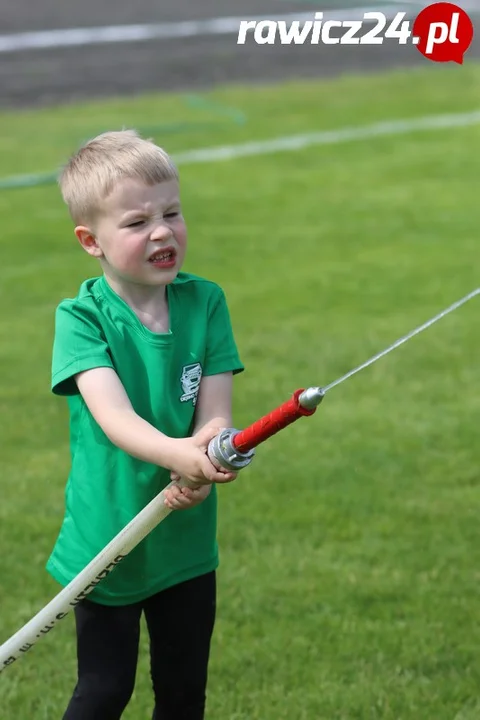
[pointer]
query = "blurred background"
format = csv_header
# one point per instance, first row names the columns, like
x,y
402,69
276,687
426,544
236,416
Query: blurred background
x,y
56,53
332,192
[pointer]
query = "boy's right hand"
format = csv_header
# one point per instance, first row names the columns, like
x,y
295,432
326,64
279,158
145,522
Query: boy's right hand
x,y
190,460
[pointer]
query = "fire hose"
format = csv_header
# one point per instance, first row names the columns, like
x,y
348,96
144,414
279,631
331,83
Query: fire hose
x,y
233,450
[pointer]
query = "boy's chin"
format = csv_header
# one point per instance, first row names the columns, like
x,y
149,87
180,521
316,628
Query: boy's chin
x,y
166,277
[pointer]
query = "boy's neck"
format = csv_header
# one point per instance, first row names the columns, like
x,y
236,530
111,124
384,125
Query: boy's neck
x,y
148,303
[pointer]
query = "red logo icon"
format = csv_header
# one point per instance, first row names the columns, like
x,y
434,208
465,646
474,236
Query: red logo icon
x,y
444,32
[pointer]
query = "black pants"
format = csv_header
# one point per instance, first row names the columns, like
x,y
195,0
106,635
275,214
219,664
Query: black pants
x,y
180,623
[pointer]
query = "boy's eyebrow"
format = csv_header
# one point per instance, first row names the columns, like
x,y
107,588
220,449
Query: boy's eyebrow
x,y
136,211
132,213
144,211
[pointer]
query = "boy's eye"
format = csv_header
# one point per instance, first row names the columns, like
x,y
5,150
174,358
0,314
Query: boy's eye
x,y
171,214
137,223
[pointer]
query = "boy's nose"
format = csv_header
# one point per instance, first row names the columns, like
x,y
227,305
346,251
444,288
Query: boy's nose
x,y
161,232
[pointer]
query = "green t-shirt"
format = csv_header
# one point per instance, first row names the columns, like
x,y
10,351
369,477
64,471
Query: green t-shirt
x,y
161,374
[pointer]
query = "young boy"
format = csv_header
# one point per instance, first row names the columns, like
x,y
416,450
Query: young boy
x,y
145,356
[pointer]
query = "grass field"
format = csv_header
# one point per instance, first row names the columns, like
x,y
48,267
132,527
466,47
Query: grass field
x,y
350,550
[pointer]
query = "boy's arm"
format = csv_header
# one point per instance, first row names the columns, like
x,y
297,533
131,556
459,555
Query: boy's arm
x,y
213,411
110,406
214,401
214,408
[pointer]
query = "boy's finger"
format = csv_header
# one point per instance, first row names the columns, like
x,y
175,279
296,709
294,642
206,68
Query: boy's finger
x,y
222,477
174,503
173,494
205,434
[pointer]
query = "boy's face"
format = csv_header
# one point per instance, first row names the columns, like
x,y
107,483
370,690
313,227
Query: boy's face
x,y
140,235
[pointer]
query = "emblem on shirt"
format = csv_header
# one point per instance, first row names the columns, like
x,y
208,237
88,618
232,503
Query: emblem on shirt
x,y
190,382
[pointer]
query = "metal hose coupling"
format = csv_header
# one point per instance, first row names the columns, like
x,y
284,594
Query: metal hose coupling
x,y
222,448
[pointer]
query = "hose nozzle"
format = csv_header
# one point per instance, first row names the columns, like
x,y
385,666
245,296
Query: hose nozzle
x,y
311,397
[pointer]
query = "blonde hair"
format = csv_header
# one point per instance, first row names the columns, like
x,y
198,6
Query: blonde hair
x,y
92,173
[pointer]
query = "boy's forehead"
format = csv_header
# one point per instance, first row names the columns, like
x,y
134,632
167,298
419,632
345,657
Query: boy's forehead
x,y
132,194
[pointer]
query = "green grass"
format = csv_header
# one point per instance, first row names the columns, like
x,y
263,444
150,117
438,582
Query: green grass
x,y
351,548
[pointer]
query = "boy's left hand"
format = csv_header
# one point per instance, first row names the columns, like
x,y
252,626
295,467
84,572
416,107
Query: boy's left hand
x,y
182,498
217,424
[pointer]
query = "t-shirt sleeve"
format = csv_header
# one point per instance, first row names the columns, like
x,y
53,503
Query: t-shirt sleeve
x,y
221,351
79,344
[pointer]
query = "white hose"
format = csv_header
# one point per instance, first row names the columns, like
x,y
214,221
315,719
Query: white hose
x,y
101,565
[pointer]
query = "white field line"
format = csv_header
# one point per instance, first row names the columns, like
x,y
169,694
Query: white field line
x,y
328,137
295,142
292,142
70,37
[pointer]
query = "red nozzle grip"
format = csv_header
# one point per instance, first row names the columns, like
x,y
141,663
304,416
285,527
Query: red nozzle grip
x,y
270,424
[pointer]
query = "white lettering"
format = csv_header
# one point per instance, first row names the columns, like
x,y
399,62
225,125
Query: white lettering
x,y
293,33
326,30
317,26
271,27
453,28
349,37
245,26
432,38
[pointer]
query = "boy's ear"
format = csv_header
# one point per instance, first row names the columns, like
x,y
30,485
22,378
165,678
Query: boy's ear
x,y
88,241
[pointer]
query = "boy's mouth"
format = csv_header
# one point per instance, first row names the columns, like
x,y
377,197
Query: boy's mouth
x,y
164,258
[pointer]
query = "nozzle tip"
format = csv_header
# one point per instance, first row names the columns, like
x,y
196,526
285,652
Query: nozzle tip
x,y
311,397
